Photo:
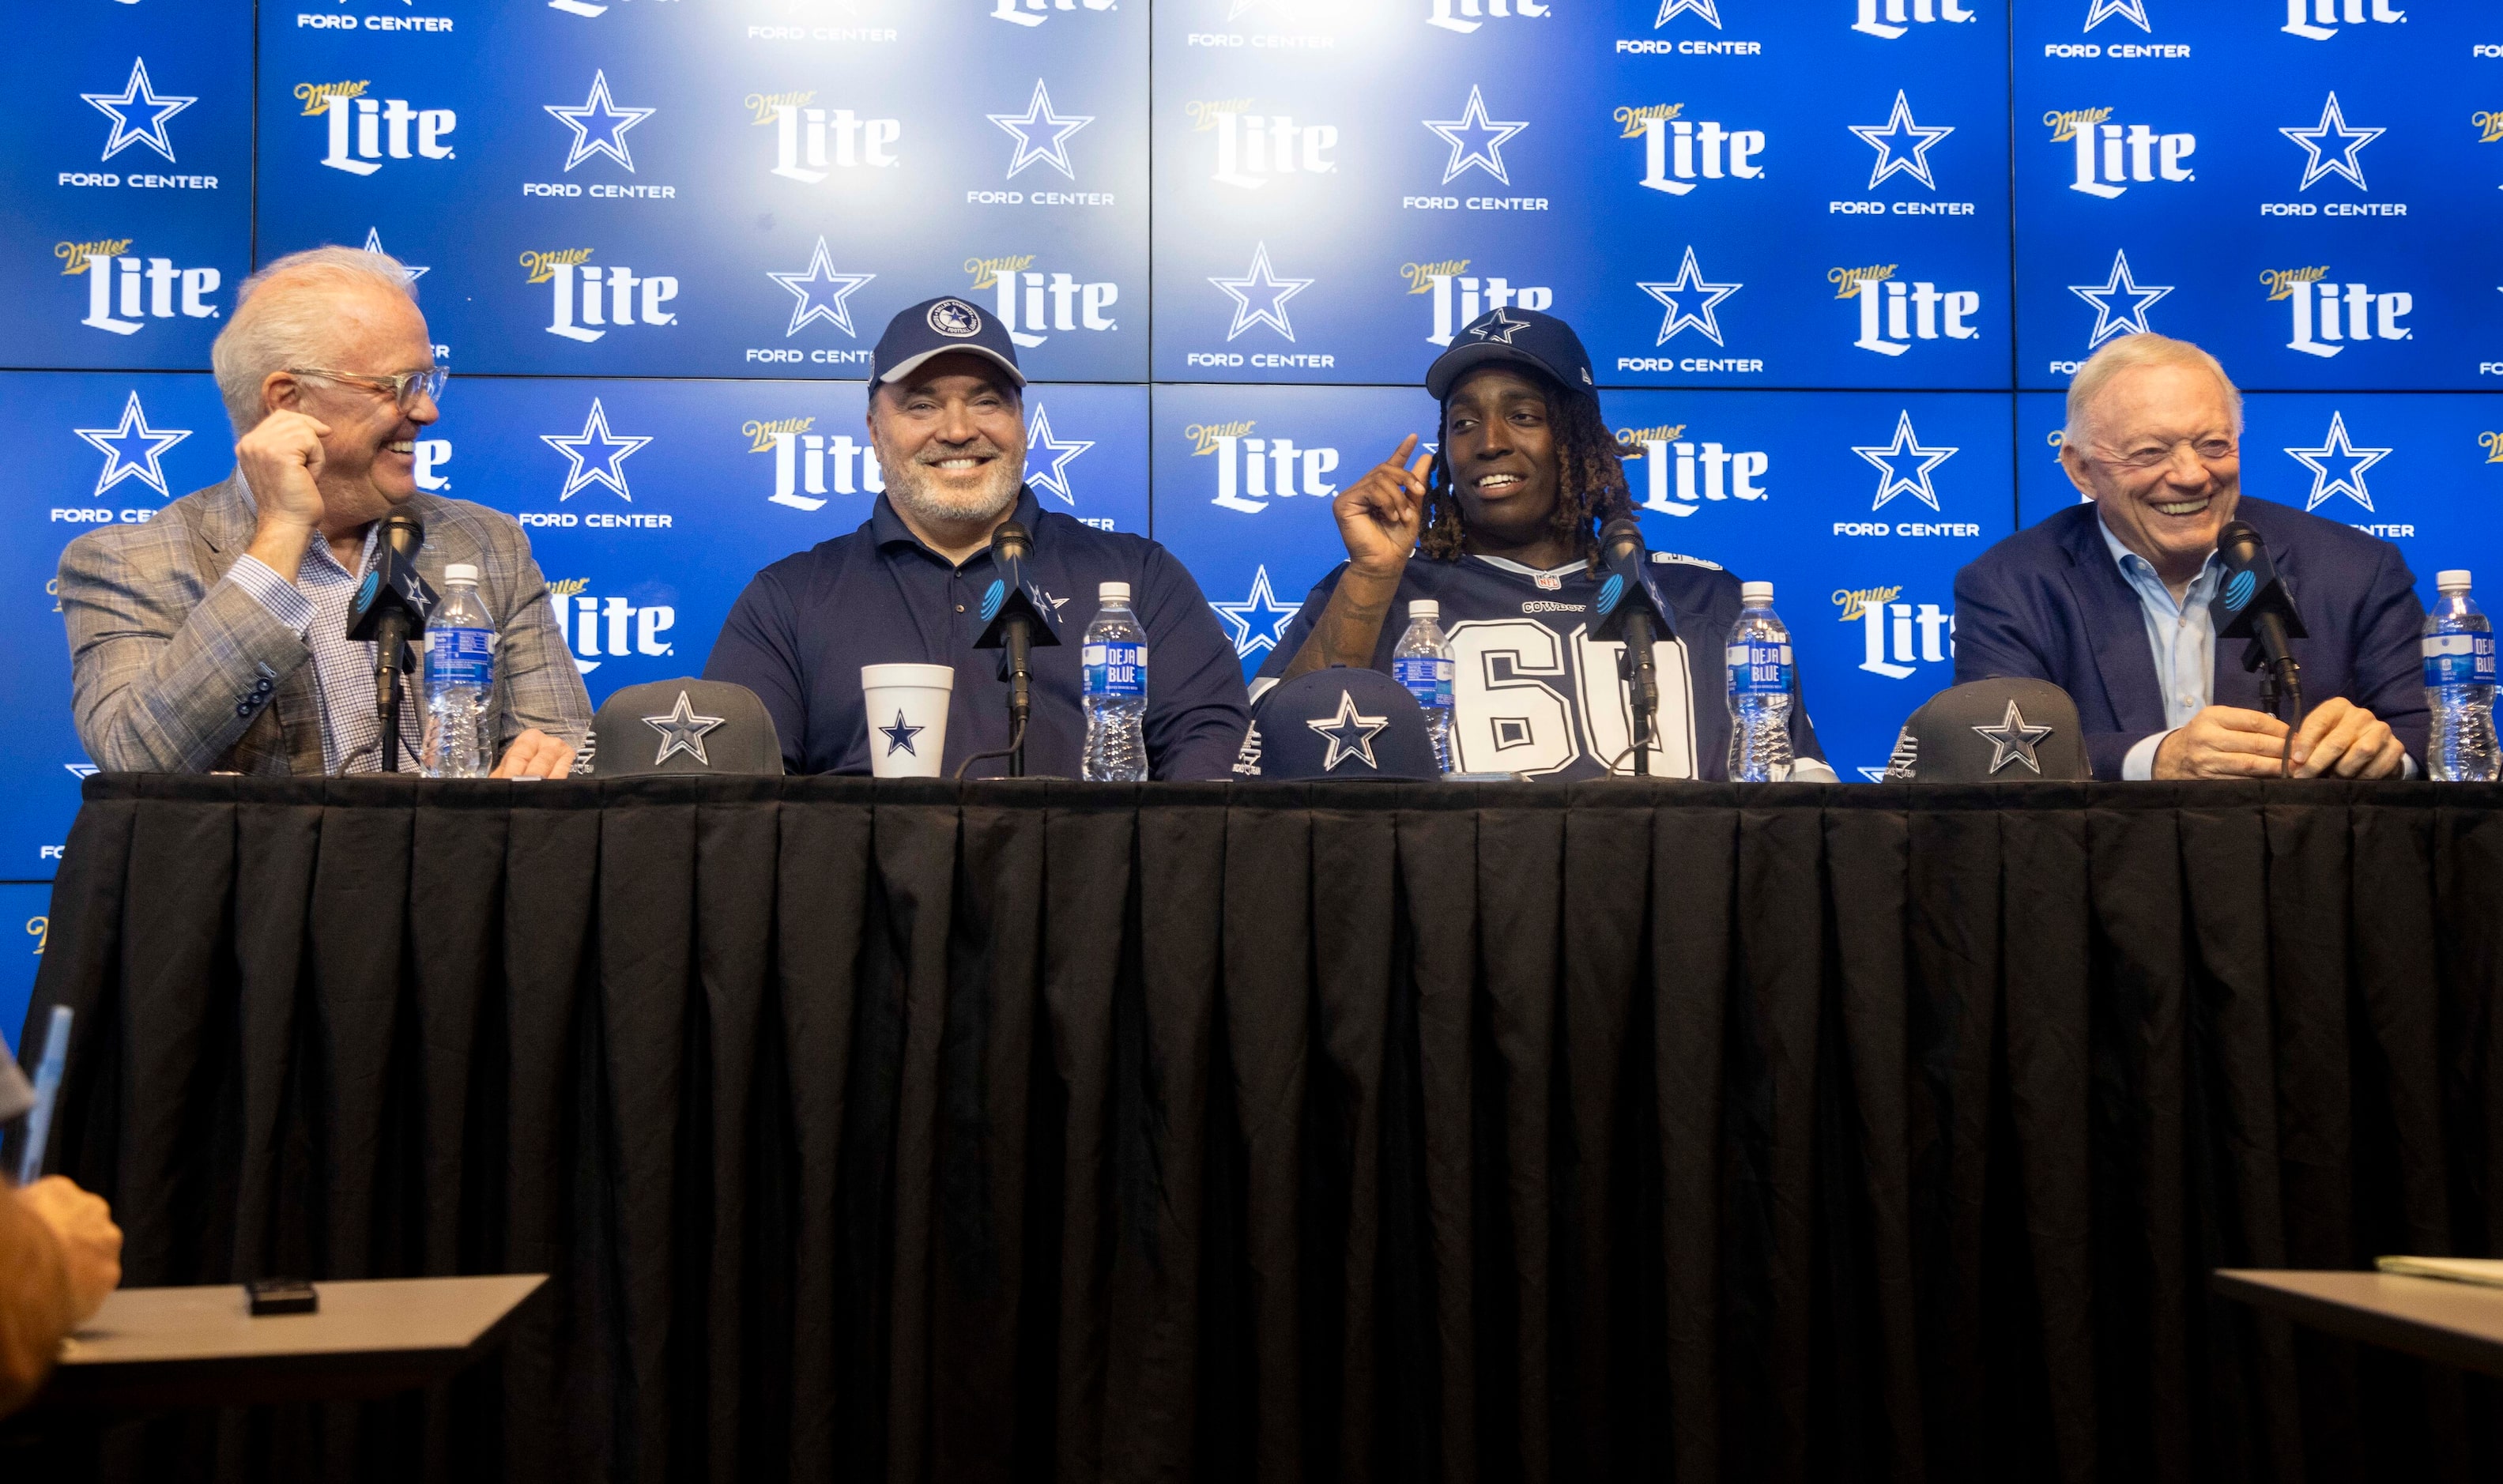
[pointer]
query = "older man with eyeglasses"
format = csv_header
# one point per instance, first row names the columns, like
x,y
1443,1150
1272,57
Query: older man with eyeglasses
x,y
213,638
2108,599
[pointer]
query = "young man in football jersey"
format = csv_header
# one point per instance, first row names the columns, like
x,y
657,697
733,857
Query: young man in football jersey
x,y
1500,528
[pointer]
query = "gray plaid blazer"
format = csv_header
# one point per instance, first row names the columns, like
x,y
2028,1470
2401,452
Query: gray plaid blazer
x,y
174,670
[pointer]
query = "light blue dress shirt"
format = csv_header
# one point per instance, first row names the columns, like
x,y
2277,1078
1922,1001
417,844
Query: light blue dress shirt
x,y
2183,636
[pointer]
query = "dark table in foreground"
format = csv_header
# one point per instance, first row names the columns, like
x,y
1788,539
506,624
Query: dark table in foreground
x,y
1441,1132
2459,1324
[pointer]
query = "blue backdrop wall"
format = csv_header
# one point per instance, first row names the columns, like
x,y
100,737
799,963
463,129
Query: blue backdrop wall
x,y
1835,259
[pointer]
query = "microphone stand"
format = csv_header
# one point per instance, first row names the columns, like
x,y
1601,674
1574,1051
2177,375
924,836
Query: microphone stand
x,y
2281,680
1639,667
391,643
1017,641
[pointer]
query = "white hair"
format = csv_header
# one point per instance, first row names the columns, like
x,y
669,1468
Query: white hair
x,y
2129,353
273,330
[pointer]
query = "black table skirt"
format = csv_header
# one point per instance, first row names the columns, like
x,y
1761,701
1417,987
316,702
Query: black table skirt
x,y
1027,1130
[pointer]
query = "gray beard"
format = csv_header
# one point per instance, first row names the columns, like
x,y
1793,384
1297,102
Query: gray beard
x,y
917,493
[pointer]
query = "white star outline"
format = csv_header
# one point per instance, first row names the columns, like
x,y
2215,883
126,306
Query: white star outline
x,y
1889,460
2319,162
1037,118
1689,280
682,731
1915,161
2131,11
813,305
2108,321
115,444
1708,10
1059,450
1499,327
584,471
409,273
138,94
2013,741
599,105
1473,122
1334,730
2352,462
1259,606
1262,278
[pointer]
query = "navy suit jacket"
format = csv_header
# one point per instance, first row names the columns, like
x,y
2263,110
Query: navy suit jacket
x,y
2051,604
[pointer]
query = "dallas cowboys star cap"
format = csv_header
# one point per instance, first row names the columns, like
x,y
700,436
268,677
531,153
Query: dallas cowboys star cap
x,y
1527,336
683,727
1339,723
2005,731
935,327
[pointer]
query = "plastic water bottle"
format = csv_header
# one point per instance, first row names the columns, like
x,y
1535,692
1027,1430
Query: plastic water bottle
x,y
1115,653
2460,684
1760,691
460,681
1423,663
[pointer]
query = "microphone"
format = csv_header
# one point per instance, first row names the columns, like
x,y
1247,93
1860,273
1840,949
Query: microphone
x,y
1013,623
1631,609
391,608
2253,602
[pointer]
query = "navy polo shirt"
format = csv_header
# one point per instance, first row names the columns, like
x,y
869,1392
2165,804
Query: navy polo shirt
x,y
801,632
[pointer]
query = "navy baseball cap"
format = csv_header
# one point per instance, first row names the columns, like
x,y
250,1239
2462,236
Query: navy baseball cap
x,y
935,327
1523,335
1338,723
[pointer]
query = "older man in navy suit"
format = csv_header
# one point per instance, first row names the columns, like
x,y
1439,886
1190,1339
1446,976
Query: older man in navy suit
x,y
2109,600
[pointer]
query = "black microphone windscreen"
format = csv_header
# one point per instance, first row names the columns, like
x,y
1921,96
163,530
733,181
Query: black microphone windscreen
x,y
1012,538
1620,537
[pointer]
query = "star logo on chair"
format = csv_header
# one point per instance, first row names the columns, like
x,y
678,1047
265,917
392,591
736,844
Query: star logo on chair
x,y
1708,10
682,731
132,447
599,125
1907,465
1903,147
820,293
2131,11
2329,147
2338,466
1349,735
1688,289
1499,329
1260,296
899,737
1259,622
1057,451
2013,741
1041,134
594,454
1476,140
409,273
2112,316
138,96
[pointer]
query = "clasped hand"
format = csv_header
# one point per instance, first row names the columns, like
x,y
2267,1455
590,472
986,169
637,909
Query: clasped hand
x,y
2338,739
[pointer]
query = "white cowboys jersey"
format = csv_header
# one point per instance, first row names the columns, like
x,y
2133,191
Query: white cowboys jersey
x,y
1534,693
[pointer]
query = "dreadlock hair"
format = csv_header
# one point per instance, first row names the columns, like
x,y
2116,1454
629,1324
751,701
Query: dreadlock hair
x,y
1590,488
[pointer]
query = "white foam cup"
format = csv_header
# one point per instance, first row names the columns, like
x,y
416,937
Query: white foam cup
x,y
906,712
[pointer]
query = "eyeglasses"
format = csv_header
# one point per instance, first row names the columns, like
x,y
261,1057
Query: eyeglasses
x,y
2208,451
404,386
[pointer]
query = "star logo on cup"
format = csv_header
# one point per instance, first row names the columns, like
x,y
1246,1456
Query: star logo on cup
x,y
899,737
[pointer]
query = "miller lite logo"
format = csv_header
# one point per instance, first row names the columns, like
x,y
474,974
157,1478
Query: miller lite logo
x,y
1680,153
811,142
2110,157
124,292
810,466
1032,303
1681,474
1252,471
364,133
2328,314
1460,296
596,629
2319,19
1891,19
1466,16
1251,147
1033,13
1896,637
587,301
1894,314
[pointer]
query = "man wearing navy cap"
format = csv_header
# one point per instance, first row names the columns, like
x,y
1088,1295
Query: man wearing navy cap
x,y
947,418
1507,525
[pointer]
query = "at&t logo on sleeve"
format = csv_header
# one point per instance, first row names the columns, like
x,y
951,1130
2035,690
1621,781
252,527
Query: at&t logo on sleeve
x,y
363,134
1252,470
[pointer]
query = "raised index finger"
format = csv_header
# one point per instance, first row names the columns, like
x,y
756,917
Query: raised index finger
x,y
1400,458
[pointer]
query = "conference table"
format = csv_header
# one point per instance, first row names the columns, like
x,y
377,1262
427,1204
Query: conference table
x,y
913,1131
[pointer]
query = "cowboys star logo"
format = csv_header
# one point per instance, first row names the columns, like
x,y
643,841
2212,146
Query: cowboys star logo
x,y
954,319
1259,622
594,454
138,97
409,273
1498,328
2338,466
1041,134
1054,452
599,125
1903,147
2112,316
1689,288
1260,296
2131,11
1476,140
132,447
820,293
1905,465
2329,147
